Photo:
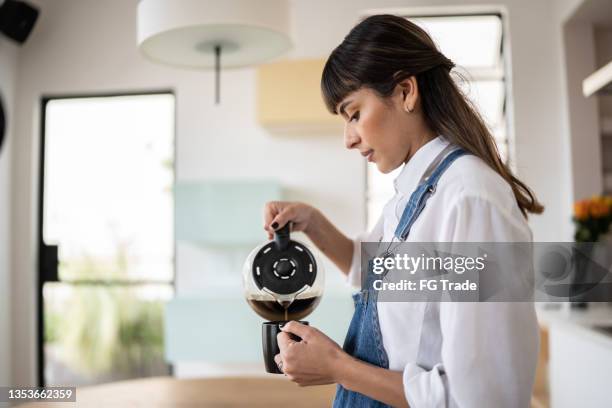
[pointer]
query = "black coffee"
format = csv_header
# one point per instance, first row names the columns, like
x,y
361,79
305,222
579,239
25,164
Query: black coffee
x,y
271,310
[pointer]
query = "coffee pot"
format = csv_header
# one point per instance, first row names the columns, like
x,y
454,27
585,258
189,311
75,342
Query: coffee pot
x,y
283,281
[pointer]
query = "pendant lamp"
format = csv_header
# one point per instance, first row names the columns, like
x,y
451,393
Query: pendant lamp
x,y
204,34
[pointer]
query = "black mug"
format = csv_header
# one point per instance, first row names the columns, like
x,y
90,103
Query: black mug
x,y
269,331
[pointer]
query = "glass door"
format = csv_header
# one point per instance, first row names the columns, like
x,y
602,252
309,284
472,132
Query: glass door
x,y
106,244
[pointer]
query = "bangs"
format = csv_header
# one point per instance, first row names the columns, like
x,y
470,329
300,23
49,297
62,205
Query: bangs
x,y
337,81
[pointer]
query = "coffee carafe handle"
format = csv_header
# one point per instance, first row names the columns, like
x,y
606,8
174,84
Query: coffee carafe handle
x,y
282,237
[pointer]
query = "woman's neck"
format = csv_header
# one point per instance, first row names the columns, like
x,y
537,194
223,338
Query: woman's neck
x,y
421,140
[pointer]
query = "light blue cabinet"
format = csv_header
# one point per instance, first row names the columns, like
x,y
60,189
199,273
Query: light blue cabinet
x,y
222,213
222,328
215,324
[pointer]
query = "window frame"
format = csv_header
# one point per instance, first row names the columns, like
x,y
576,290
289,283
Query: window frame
x,y
473,75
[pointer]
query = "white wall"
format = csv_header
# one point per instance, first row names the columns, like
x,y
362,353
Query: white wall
x,y
89,46
564,9
8,74
584,119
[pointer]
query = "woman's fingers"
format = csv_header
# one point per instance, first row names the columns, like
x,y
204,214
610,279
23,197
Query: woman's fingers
x,y
284,341
278,360
301,330
278,213
310,361
285,215
271,209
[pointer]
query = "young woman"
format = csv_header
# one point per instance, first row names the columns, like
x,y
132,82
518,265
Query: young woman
x,y
394,90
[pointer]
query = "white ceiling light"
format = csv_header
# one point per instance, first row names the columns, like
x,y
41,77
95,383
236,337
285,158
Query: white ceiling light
x,y
213,33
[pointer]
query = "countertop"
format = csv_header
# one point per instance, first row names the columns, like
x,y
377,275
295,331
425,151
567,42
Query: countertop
x,y
210,392
585,322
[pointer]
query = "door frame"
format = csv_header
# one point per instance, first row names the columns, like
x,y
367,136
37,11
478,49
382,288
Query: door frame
x,y
43,257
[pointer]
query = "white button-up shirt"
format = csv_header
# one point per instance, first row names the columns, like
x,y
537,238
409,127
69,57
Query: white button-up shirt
x,y
457,354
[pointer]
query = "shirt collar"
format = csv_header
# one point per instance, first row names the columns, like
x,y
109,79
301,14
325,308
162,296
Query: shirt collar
x,y
410,175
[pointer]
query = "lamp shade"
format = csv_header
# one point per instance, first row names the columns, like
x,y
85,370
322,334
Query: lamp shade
x,y
185,33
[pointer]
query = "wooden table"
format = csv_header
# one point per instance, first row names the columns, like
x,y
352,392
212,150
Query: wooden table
x,y
208,392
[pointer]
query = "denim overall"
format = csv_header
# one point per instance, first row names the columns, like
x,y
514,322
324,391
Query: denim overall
x,y
364,339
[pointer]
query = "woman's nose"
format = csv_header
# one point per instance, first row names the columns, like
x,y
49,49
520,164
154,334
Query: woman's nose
x,y
351,139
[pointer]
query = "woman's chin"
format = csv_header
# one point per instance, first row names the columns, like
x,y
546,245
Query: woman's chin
x,y
385,168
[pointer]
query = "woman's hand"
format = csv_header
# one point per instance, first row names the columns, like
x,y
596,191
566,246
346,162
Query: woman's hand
x,y
279,213
313,361
317,360
313,223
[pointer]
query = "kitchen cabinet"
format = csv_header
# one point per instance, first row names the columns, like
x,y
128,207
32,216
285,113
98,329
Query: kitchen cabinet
x,y
598,86
218,329
289,99
580,356
222,213
587,42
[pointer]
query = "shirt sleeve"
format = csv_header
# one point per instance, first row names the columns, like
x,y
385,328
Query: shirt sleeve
x,y
489,349
353,277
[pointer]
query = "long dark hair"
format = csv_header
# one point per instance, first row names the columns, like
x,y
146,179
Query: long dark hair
x,y
382,51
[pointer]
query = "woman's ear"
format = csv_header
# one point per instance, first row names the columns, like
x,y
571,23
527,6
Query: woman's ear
x,y
410,93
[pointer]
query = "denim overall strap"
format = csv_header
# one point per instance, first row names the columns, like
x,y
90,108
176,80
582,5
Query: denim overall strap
x,y
364,338
364,342
426,188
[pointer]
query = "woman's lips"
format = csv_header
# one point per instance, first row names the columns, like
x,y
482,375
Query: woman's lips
x,y
368,155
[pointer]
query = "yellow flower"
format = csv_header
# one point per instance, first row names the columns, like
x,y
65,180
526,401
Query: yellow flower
x,y
581,210
598,207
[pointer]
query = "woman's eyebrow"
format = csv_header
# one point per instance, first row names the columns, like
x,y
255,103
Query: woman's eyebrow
x,y
343,105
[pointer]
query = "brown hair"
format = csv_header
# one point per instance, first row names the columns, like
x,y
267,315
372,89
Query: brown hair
x,y
382,51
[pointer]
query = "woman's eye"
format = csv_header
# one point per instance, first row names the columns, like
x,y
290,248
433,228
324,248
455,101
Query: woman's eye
x,y
355,116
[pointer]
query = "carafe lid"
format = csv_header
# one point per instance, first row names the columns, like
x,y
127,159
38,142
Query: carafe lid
x,y
284,266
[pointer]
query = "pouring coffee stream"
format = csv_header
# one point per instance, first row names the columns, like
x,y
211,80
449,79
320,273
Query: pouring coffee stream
x,y
283,281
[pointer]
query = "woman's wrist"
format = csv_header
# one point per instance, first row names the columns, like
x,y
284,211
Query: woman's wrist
x,y
313,221
341,367
376,382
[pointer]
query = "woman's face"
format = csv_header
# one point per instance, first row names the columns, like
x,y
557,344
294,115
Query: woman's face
x,y
383,129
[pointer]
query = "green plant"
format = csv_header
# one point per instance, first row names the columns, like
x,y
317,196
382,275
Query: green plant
x,y
105,329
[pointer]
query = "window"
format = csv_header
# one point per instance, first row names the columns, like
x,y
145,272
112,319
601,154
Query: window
x,y
475,44
106,237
